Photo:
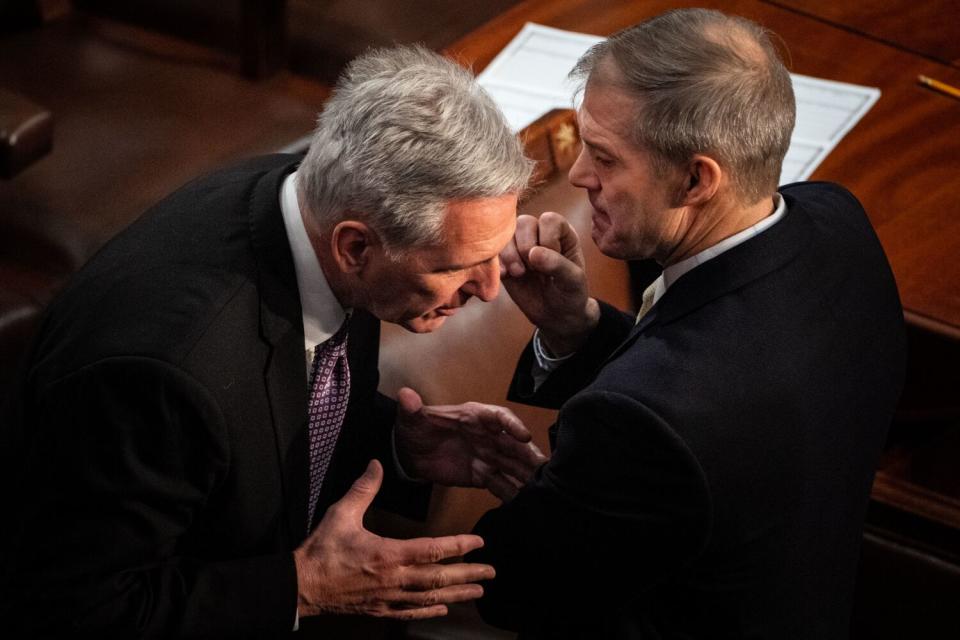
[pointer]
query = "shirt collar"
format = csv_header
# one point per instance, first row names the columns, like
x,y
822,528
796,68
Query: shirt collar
x,y
322,312
673,272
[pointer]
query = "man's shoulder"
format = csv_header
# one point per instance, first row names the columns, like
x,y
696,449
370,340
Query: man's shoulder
x,y
158,312
159,286
224,188
816,196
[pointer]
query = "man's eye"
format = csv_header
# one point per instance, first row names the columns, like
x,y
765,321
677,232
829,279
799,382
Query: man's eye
x,y
602,161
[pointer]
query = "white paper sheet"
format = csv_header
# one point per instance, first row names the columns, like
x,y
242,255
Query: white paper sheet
x,y
529,78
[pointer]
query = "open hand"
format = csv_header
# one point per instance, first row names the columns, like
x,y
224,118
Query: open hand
x,y
344,569
465,445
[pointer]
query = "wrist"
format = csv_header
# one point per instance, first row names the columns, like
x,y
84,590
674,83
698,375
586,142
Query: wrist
x,y
403,462
304,607
574,333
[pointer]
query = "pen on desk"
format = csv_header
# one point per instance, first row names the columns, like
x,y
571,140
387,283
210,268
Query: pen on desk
x,y
942,87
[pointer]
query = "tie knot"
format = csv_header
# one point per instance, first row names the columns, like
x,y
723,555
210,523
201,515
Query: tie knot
x,y
339,339
328,352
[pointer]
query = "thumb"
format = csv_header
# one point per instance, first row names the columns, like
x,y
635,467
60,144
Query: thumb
x,y
551,263
361,494
409,400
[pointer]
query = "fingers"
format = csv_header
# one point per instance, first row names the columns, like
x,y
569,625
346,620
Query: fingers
x,y
490,418
496,419
433,550
503,486
439,576
549,246
433,597
527,235
358,498
420,613
552,229
513,256
560,236
566,273
517,460
409,400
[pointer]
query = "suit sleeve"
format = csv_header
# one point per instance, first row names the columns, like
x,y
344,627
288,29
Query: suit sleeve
x,y
621,506
399,495
574,374
125,454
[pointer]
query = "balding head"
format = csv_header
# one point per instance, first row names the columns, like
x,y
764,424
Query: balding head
x,y
704,83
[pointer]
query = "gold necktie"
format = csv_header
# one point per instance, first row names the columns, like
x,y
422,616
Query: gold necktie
x,y
647,300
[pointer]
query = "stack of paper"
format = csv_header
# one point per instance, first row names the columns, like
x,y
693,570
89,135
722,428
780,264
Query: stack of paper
x,y
529,78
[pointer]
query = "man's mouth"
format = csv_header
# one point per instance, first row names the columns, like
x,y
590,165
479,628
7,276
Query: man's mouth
x,y
600,217
447,311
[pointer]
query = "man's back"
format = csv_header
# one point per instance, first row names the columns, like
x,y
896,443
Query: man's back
x,y
132,419
712,479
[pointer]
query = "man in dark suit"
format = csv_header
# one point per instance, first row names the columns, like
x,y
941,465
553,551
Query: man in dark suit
x,y
168,479
712,459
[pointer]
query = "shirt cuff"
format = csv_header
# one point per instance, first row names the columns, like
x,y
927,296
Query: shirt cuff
x,y
544,364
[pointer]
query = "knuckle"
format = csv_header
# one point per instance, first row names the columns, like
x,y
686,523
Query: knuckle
x,y
430,598
435,551
550,218
439,580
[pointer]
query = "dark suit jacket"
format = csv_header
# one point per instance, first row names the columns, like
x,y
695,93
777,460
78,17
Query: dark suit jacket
x,y
162,428
711,478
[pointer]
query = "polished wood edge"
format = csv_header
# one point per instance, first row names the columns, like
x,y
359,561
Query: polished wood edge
x,y
932,325
902,494
553,141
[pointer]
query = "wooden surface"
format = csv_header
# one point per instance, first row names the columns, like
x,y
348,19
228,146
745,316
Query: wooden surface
x,y
929,28
901,160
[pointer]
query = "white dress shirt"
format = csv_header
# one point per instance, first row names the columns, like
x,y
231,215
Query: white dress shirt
x,y
322,312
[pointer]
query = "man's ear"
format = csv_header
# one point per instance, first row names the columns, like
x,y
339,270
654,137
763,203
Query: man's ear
x,y
351,245
700,180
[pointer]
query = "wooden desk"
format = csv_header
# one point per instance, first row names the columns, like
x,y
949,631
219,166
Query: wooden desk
x,y
901,160
930,28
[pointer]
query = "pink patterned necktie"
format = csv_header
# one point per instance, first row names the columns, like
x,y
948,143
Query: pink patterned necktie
x,y
329,392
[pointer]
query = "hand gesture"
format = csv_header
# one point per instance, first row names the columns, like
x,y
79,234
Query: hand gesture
x,y
342,568
543,270
465,445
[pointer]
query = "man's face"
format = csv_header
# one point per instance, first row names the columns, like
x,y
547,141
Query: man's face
x,y
425,285
632,216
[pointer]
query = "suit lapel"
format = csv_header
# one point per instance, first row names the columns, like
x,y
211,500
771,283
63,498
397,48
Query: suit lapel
x,y
281,326
725,274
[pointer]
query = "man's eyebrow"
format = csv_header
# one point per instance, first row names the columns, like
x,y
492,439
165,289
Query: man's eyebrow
x,y
460,267
594,146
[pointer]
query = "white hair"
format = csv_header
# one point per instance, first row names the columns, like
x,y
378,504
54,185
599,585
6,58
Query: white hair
x,y
406,133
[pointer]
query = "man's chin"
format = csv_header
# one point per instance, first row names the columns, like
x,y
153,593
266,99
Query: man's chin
x,y
423,325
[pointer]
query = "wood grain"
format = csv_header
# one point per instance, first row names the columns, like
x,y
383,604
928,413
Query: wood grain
x,y
929,28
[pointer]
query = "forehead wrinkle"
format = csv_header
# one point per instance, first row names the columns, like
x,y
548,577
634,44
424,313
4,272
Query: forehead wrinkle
x,y
614,135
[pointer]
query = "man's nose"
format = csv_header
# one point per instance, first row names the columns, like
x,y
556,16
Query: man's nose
x,y
581,173
485,283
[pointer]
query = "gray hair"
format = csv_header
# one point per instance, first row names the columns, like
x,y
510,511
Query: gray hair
x,y
705,82
405,133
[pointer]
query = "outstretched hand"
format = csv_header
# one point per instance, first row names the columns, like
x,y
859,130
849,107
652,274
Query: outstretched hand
x,y
543,270
344,569
465,445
